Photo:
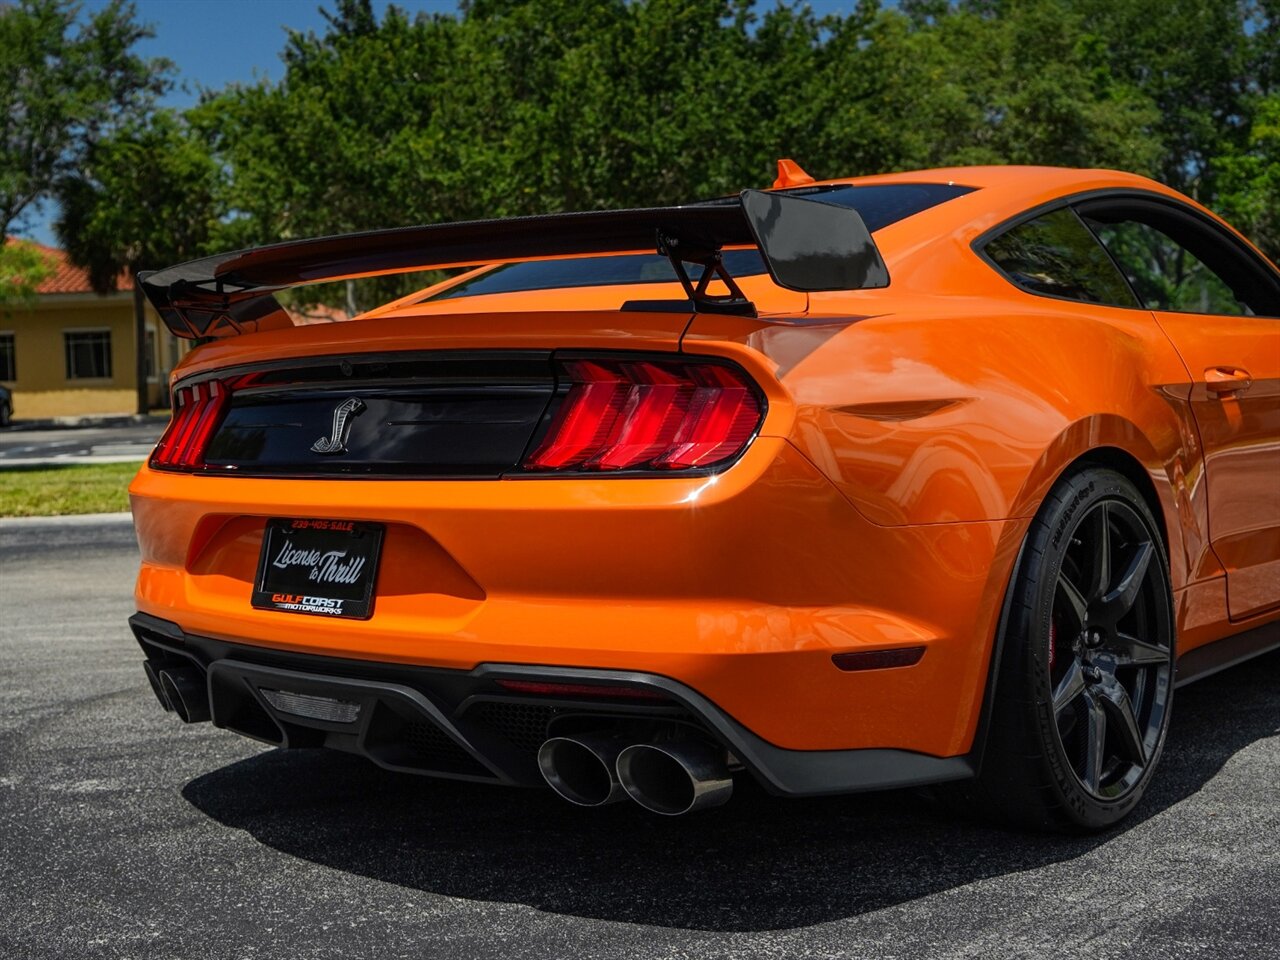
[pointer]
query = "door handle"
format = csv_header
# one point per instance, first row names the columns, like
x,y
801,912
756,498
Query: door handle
x,y
1224,381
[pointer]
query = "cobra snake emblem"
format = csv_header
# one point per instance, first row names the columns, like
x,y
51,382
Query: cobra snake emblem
x,y
336,442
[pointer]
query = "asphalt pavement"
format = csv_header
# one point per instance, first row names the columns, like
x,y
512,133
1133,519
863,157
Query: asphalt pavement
x,y
116,443
125,834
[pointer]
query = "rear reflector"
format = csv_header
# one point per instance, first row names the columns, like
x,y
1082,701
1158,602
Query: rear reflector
x,y
550,689
312,706
655,415
878,659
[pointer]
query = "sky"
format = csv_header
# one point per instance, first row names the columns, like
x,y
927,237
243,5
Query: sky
x,y
217,42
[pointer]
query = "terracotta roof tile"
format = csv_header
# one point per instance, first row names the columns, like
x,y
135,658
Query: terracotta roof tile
x,y
318,313
67,278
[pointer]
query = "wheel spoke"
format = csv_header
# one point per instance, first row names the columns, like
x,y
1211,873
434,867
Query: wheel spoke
x,y
1076,605
1100,555
1115,700
1069,687
1133,652
1120,600
1095,742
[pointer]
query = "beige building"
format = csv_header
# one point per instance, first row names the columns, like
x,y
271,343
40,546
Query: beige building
x,y
72,353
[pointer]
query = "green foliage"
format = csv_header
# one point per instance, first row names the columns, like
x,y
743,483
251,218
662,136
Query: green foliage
x,y
516,106
146,195
65,84
1249,176
23,266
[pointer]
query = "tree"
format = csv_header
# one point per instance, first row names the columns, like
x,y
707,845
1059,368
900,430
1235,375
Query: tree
x,y
23,267
146,195
66,84
516,107
1249,179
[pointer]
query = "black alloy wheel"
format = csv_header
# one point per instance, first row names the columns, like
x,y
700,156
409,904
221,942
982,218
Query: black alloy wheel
x,y
1085,679
1110,661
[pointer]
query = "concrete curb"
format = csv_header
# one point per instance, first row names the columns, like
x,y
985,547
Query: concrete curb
x,y
6,462
73,423
68,520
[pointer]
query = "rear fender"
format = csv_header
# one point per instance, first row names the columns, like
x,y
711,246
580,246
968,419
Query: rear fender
x,y
1176,476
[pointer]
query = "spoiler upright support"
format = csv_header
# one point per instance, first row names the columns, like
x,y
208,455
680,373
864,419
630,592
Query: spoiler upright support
x,y
713,268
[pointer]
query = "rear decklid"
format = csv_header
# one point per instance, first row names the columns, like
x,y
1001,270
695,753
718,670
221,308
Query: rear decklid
x,y
435,397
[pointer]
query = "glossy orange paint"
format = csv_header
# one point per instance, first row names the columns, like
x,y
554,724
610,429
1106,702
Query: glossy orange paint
x,y
911,434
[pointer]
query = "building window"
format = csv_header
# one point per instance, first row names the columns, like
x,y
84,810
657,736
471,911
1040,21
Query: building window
x,y
88,355
8,363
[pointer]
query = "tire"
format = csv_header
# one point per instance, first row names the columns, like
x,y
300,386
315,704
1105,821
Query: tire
x,y
6,414
1084,684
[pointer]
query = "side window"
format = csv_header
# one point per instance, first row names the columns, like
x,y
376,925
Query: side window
x,y
1055,254
1165,274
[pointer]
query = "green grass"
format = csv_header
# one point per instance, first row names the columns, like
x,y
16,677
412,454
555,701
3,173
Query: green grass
x,y
75,488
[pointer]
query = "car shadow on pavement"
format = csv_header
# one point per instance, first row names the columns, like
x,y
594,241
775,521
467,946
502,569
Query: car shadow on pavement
x,y
759,863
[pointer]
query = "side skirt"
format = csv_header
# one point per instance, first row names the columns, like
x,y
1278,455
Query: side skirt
x,y
1228,652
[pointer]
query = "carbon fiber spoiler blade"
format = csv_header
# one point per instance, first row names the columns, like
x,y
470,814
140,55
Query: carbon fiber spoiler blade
x,y
806,246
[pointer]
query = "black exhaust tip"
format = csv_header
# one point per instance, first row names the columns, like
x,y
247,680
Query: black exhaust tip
x,y
187,692
676,777
153,678
581,769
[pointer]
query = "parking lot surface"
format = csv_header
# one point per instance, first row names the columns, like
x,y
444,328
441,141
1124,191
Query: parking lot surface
x,y
96,444
125,834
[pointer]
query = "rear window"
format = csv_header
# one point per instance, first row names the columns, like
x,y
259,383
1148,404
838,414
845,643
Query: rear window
x,y
590,272
882,204
879,206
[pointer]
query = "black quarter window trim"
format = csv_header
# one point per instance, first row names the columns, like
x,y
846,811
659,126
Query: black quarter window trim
x,y
1124,277
978,245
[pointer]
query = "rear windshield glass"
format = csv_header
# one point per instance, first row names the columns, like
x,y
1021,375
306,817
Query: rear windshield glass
x,y
879,206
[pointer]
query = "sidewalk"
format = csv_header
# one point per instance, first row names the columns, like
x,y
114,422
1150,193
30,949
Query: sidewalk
x,y
67,520
103,421
35,463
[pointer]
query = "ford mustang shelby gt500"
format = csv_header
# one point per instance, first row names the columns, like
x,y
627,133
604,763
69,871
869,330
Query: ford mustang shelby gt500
x,y
941,477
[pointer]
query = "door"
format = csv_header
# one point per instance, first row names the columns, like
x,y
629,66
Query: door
x,y
1219,304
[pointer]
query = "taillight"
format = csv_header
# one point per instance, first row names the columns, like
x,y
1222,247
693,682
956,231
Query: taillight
x,y
197,411
657,415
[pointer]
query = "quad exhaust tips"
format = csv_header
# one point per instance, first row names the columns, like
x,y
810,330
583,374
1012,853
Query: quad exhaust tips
x,y
582,769
182,690
676,777
592,770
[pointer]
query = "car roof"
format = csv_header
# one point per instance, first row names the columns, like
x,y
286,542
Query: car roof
x,y
1000,193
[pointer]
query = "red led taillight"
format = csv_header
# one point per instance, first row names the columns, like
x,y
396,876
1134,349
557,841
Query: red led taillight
x,y
197,411
656,415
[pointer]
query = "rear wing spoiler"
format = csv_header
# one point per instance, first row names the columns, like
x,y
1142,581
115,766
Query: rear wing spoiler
x,y
806,245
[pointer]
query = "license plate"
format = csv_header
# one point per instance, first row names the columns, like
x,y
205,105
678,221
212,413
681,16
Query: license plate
x,y
318,566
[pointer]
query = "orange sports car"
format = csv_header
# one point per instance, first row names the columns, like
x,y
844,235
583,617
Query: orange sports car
x,y
944,477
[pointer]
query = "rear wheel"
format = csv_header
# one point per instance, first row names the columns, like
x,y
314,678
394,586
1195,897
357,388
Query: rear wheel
x,y
6,413
1085,678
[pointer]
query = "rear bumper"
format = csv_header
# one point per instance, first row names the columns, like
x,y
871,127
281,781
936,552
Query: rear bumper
x,y
740,586
464,725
